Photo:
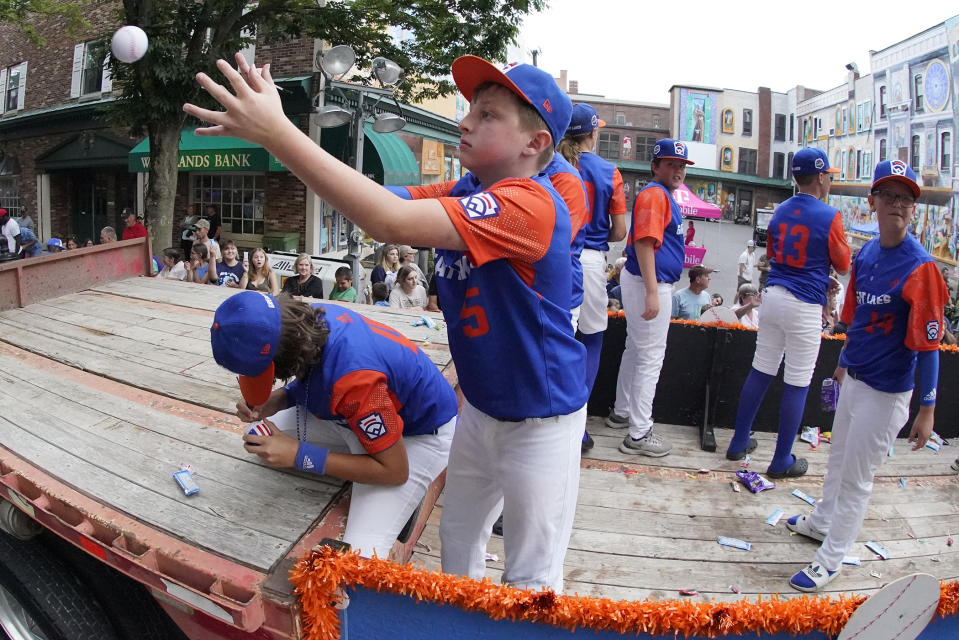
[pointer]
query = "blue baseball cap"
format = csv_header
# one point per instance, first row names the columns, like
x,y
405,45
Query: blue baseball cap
x,y
55,242
810,161
532,84
244,337
584,119
896,171
674,149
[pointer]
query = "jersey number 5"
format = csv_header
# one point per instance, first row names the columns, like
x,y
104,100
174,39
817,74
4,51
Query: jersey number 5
x,y
798,239
475,312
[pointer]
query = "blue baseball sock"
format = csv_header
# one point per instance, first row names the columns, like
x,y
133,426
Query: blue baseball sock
x,y
790,415
594,348
751,396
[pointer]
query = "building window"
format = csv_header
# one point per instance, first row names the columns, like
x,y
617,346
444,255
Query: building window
x,y
13,81
609,145
656,121
915,153
882,103
882,149
747,161
858,163
792,126
620,117
917,83
779,165
10,193
726,161
747,123
789,164
780,132
238,198
945,151
866,172
859,116
839,118
90,72
644,148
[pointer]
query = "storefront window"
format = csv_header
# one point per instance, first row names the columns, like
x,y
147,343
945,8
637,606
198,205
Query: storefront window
x,y
239,197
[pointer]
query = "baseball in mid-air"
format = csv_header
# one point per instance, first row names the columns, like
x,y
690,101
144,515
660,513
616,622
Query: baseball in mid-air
x,y
129,43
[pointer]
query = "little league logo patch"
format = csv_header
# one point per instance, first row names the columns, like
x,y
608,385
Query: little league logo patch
x,y
932,330
819,163
897,168
680,149
373,426
479,206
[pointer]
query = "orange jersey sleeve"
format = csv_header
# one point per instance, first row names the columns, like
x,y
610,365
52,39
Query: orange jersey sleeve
x,y
513,220
428,191
570,189
838,247
369,407
926,293
617,204
849,305
651,214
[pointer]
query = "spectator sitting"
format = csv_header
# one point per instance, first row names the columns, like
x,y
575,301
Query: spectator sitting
x,y
29,244
747,306
107,235
688,303
380,294
304,283
614,305
613,280
173,267
199,264
89,241
408,258
408,292
72,243
259,275
134,228
54,245
230,272
717,300
343,290
762,266
386,270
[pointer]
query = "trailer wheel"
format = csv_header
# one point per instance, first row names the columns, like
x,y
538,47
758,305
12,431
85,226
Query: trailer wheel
x,y
42,599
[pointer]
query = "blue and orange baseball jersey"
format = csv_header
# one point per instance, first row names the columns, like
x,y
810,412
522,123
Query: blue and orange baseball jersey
x,y
804,237
656,215
606,196
375,381
894,308
569,185
506,299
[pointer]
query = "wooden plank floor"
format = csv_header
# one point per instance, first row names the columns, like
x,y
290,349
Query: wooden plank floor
x,y
110,389
646,528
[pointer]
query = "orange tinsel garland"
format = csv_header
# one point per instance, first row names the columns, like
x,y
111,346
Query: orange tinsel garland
x,y
319,576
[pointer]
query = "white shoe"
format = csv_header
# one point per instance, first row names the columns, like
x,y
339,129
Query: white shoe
x,y
813,577
800,524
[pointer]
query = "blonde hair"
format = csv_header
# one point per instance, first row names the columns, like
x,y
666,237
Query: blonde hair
x,y
267,269
386,251
572,145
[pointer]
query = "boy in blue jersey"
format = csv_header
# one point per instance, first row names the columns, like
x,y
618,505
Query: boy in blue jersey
x,y
606,222
805,237
894,309
504,284
364,404
654,261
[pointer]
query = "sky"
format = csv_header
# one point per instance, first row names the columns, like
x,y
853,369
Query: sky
x,y
636,50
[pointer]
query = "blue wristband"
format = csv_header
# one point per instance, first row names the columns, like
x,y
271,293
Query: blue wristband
x,y
311,458
928,377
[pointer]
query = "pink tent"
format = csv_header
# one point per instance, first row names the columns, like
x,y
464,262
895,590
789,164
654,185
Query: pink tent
x,y
693,206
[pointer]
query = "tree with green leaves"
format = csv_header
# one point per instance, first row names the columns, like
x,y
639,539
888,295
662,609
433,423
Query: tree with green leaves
x,y
188,36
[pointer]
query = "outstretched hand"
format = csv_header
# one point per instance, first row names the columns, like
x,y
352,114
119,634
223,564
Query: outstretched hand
x,y
253,112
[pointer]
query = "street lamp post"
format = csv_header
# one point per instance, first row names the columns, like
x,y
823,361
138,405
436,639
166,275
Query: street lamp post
x,y
337,61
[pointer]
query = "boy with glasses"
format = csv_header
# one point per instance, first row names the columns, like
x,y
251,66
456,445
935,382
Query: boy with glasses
x,y
804,238
894,309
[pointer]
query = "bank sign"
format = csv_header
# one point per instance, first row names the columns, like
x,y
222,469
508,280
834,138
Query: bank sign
x,y
209,154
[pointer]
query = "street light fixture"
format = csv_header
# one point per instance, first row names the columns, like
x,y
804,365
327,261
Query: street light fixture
x,y
335,63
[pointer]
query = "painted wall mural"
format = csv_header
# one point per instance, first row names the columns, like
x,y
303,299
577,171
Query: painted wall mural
x,y
697,116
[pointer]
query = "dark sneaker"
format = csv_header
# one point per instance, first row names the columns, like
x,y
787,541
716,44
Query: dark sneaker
x,y
742,454
813,577
616,421
587,442
649,445
498,526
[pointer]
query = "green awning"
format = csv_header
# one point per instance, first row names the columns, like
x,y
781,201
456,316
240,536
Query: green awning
x,y
398,164
432,134
210,153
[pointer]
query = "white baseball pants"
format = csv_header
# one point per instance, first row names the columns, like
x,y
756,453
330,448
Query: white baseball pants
x,y
527,469
643,358
864,428
377,512
592,316
792,328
